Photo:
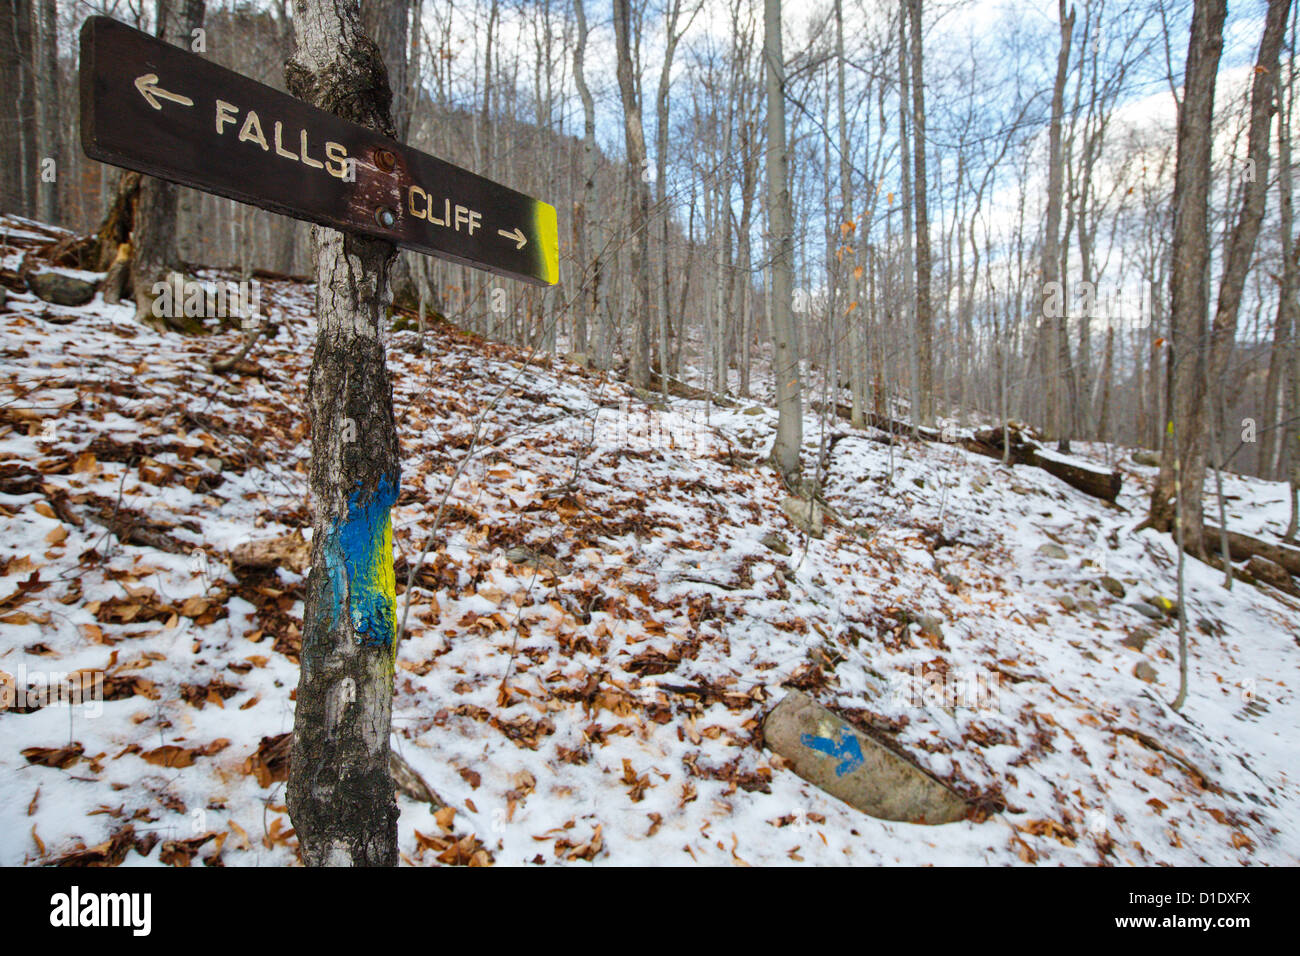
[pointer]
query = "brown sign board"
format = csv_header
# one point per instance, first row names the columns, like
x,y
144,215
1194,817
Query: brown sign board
x,y
152,107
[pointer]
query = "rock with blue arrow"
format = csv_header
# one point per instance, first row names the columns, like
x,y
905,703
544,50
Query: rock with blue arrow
x,y
830,753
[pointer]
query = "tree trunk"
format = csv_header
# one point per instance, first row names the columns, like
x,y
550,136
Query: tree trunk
x,y
661,178
18,192
1185,365
587,307
11,79
785,360
905,158
340,792
153,239
1241,244
387,22
51,133
634,138
924,318
1052,292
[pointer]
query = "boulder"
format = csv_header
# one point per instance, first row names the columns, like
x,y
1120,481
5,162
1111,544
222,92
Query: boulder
x,y
1138,639
1149,458
1146,610
808,516
831,754
60,289
1053,551
1113,586
774,542
931,625
1144,671
542,563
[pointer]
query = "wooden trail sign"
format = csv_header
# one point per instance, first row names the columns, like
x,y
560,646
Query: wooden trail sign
x,y
155,108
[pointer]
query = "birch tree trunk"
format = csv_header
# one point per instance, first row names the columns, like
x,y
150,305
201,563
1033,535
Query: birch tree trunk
x,y
924,317
634,137
589,248
661,184
846,264
905,158
785,358
340,792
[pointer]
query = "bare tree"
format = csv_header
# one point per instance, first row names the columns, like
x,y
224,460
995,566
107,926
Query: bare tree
x,y
340,793
587,230
924,317
785,360
1191,258
629,87
51,137
1241,244
905,158
18,108
1053,312
153,228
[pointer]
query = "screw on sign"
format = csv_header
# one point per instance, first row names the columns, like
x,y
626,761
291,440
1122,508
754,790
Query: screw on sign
x,y
155,108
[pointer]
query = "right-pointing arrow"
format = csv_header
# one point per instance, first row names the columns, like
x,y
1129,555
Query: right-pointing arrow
x,y
518,236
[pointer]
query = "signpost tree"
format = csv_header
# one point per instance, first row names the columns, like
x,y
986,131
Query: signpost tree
x,y
327,155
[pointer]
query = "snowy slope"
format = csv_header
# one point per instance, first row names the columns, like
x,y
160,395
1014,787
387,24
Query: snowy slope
x,y
602,702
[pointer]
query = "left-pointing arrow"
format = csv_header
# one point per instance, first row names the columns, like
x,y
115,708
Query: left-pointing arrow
x,y
152,92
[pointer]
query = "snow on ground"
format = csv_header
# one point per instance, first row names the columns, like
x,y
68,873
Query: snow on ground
x,y
599,627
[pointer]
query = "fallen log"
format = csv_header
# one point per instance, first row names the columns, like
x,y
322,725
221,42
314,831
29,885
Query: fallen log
x,y
1242,547
1024,450
679,389
1099,484
280,276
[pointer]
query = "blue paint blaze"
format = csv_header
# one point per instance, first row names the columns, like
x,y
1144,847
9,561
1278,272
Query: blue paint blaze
x,y
847,748
359,559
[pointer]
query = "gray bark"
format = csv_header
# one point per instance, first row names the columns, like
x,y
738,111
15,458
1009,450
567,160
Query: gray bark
x,y
905,158
51,133
1241,247
340,793
1056,354
153,237
588,308
785,359
1185,367
638,224
924,317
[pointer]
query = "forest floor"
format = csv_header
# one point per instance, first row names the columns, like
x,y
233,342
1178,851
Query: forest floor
x,y
600,628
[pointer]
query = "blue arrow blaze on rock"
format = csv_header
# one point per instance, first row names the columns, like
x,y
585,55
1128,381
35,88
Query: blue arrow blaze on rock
x,y
846,748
